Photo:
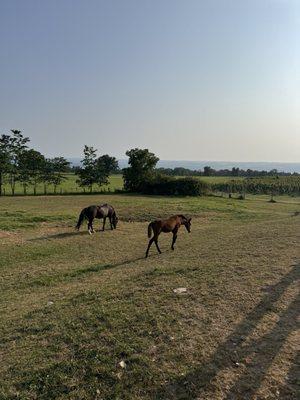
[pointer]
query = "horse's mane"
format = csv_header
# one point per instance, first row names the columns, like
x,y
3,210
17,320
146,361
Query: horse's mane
x,y
181,216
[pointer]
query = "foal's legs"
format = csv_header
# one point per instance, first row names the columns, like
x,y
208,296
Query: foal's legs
x,y
149,245
154,239
156,243
104,220
174,237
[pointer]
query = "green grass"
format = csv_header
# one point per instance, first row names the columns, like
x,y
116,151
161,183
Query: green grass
x,y
73,306
115,183
69,185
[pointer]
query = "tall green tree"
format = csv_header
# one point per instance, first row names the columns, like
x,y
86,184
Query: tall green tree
x,y
208,171
104,166
5,159
47,174
18,144
95,170
141,168
31,164
59,168
86,174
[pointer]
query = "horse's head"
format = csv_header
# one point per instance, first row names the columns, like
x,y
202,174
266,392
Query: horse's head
x,y
187,222
115,220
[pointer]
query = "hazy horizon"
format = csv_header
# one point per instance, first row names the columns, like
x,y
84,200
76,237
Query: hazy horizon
x,y
200,164
196,80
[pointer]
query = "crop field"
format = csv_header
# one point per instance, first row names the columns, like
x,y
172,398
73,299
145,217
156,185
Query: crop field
x,y
88,317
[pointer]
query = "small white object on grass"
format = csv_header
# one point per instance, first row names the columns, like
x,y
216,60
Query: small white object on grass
x,y
50,303
180,290
122,364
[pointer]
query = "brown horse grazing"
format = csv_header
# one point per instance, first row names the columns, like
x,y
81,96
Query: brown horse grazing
x,y
171,224
104,211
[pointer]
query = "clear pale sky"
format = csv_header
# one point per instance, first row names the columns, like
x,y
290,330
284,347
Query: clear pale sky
x,y
188,79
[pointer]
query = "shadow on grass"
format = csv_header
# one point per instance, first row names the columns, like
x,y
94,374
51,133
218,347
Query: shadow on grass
x,y
97,268
233,352
290,390
64,235
49,280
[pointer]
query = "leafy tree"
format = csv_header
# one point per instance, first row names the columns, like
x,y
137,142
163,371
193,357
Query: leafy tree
x,y
208,171
5,158
57,168
141,168
47,174
235,171
87,172
104,166
95,171
18,144
31,164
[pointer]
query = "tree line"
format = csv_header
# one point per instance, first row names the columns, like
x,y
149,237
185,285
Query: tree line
x,y
142,176
24,165
209,171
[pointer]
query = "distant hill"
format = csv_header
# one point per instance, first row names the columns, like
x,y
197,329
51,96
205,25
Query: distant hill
x,y
196,165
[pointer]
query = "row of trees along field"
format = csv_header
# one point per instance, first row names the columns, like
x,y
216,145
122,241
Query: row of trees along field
x,y
20,164
142,176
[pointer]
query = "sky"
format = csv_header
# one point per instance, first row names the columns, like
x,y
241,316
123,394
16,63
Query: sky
x,y
188,79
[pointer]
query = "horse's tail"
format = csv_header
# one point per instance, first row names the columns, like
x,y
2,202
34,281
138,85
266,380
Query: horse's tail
x,y
150,228
80,219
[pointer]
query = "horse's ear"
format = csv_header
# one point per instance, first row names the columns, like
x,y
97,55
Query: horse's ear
x,y
189,220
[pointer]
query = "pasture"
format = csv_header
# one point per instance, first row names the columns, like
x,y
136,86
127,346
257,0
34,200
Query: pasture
x,y
70,185
88,317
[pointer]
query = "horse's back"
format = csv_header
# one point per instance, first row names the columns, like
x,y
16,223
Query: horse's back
x,y
168,224
106,210
92,210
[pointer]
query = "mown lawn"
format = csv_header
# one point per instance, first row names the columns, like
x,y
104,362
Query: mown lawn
x,y
73,306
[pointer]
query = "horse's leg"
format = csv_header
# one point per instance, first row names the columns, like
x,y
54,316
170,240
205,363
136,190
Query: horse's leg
x,y
174,237
90,226
104,220
110,221
174,240
156,244
149,245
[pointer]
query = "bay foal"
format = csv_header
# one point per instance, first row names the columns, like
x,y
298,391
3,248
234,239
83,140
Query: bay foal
x,y
171,224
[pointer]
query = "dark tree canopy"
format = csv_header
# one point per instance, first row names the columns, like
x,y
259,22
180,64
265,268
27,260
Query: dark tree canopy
x,y
141,168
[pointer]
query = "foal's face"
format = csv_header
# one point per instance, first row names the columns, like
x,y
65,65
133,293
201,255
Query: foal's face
x,y
187,225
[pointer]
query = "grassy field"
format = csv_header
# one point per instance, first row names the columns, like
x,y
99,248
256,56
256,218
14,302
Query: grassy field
x,y
74,306
69,185
115,182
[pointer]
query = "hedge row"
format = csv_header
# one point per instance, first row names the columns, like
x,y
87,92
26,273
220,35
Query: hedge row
x,y
166,185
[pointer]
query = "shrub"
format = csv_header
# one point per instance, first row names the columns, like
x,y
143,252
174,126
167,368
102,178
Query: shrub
x,y
166,185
